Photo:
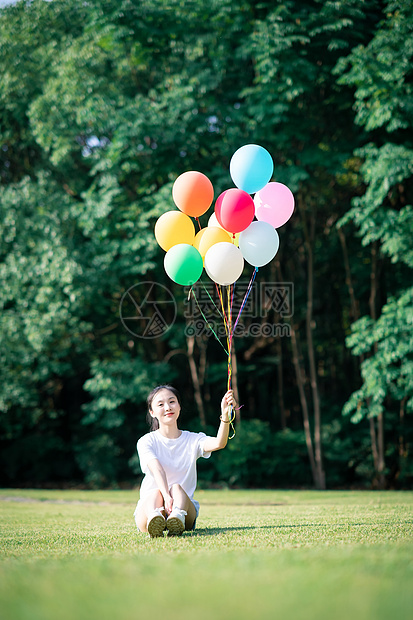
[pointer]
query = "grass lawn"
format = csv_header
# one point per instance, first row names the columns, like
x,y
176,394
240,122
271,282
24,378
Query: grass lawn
x,y
255,554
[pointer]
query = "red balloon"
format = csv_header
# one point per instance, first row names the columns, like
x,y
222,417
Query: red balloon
x,y
234,210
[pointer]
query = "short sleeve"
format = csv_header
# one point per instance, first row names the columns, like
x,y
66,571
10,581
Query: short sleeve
x,y
146,452
201,452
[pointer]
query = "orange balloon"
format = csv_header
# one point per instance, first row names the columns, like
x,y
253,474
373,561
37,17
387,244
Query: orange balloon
x,y
174,227
207,237
193,193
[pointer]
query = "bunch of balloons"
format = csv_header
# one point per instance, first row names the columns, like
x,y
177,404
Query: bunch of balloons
x,y
242,227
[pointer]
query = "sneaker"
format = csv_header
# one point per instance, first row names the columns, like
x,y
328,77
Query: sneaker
x,y
175,523
156,524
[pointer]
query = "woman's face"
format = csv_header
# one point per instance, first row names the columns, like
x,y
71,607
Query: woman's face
x,y
165,407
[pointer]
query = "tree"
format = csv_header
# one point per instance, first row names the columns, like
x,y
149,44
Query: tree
x,y
293,102
102,106
381,73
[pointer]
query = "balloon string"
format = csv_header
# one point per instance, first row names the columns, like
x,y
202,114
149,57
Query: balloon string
x,y
229,316
230,327
199,224
226,321
229,340
229,337
230,300
213,302
191,291
244,301
232,410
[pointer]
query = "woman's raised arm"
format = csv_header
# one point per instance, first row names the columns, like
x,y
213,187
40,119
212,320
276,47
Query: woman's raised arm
x,y
212,444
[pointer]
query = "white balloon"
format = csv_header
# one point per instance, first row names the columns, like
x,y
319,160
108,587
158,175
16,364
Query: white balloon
x,y
259,243
224,263
213,221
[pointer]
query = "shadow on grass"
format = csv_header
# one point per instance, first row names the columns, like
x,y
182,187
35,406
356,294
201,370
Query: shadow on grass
x,y
214,531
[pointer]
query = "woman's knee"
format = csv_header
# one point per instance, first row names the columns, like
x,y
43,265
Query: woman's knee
x,y
153,500
176,488
158,495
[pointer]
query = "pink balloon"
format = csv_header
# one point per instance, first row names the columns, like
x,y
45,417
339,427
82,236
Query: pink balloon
x,y
234,210
274,204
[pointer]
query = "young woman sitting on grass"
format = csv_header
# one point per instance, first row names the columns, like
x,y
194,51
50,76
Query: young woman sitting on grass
x,y
168,458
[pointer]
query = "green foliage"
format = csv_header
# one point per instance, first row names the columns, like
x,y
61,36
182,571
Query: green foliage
x,y
259,457
388,372
102,106
381,73
41,295
382,214
295,49
116,387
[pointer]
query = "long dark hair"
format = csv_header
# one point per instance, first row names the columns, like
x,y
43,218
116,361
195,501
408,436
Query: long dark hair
x,y
153,422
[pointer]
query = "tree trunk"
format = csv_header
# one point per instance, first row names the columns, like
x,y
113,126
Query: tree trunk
x,y
304,406
279,350
303,399
190,340
280,382
373,439
381,482
202,343
380,445
402,446
403,452
309,240
355,310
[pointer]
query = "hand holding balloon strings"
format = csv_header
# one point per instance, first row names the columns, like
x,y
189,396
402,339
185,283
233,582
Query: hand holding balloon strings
x,y
230,325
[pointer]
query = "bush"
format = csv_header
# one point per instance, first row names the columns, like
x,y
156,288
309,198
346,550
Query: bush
x,y
259,457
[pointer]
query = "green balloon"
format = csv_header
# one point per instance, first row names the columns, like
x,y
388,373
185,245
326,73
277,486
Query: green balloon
x,y
183,264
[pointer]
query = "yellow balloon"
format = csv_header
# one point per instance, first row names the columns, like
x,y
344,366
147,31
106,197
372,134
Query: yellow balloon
x,y
174,227
207,237
213,222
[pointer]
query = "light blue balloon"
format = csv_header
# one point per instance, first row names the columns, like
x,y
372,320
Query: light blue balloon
x,y
259,243
251,168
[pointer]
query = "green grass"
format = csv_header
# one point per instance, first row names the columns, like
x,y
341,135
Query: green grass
x,y
255,554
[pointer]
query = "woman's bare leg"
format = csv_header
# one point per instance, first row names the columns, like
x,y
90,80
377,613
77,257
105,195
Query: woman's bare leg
x,y
182,501
153,501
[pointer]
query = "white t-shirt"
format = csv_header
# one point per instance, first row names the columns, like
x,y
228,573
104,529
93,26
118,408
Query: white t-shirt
x,y
177,456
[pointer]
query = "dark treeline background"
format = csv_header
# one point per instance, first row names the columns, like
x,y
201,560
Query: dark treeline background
x,y
102,106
